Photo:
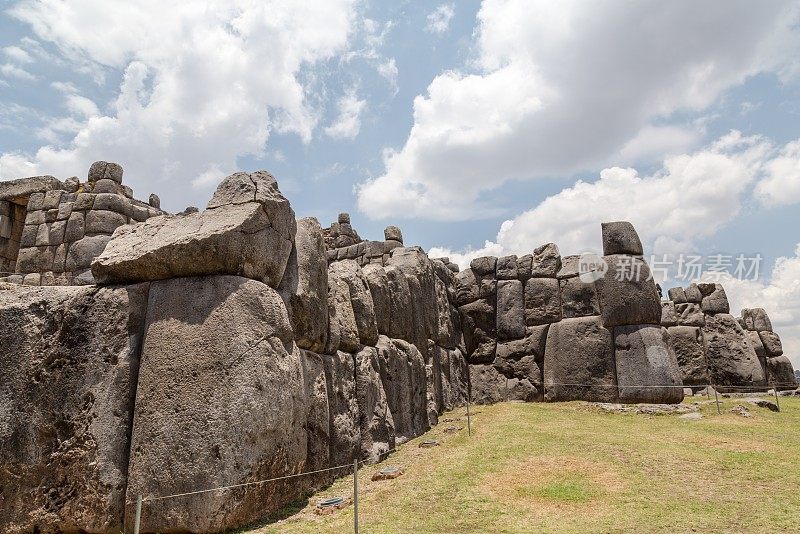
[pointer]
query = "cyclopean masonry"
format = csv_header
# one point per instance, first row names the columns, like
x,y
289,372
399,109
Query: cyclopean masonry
x,y
151,354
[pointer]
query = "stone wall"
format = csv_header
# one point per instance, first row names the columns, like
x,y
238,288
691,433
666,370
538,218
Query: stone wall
x,y
226,346
714,347
543,327
65,226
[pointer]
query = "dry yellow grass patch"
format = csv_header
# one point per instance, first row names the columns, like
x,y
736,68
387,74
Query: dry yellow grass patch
x,y
549,487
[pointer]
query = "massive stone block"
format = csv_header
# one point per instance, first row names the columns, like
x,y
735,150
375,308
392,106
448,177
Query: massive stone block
x,y
578,298
401,324
620,237
418,269
545,261
756,319
714,299
579,361
343,407
318,423
342,326
454,377
381,299
478,324
510,310
772,343
687,343
627,293
68,363
732,361
466,287
781,374
669,317
245,232
218,360
489,385
405,382
304,287
375,419
506,268
644,360
542,301
350,273
690,314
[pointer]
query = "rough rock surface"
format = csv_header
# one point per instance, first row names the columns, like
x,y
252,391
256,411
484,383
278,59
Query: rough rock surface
x,y
579,361
245,233
488,385
772,343
781,373
715,301
645,359
478,323
304,287
627,293
687,343
510,310
381,300
546,261
375,418
68,363
318,425
578,298
218,360
542,301
350,273
757,319
731,359
620,237
405,383
690,314
342,407
342,327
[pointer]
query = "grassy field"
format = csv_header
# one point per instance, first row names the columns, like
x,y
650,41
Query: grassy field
x,y
572,468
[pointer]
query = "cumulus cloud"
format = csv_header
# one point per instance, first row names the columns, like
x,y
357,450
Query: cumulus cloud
x,y
439,19
691,197
202,83
348,122
781,186
563,87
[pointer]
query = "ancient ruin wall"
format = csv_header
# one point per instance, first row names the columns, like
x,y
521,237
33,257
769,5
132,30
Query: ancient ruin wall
x,y
230,345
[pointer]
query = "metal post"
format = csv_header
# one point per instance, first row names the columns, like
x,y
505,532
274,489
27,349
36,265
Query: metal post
x,y
777,402
469,420
138,520
716,396
708,393
355,495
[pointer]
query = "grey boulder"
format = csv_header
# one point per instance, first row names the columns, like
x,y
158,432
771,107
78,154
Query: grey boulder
x,y
620,237
579,361
627,293
645,361
304,287
247,231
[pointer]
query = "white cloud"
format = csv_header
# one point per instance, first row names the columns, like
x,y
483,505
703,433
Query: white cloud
x,y
348,122
568,86
17,54
203,83
439,19
781,186
12,71
780,297
690,198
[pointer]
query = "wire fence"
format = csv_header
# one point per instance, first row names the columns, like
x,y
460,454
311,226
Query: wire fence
x,y
141,500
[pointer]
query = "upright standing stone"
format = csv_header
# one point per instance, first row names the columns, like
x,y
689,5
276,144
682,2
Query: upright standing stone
x,y
620,237
304,286
579,361
645,360
510,310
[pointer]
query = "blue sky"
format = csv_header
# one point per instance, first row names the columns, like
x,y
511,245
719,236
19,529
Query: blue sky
x,y
477,127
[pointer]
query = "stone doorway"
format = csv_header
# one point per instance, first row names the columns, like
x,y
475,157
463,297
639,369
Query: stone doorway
x,y
12,221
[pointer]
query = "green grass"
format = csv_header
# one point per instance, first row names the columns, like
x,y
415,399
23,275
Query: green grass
x,y
570,468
